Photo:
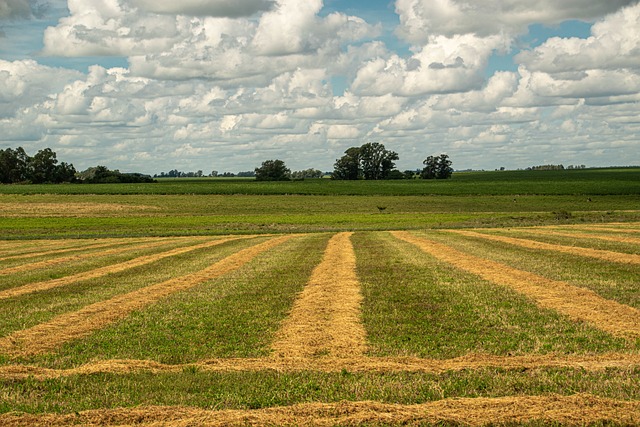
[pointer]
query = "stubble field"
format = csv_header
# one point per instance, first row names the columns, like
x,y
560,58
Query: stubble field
x,y
458,325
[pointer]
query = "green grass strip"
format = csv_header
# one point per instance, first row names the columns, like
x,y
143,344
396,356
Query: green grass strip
x,y
264,389
416,305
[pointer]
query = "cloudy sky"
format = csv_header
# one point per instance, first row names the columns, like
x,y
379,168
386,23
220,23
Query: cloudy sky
x,y
154,85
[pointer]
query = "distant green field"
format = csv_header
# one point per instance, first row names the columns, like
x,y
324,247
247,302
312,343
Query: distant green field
x,y
221,206
567,182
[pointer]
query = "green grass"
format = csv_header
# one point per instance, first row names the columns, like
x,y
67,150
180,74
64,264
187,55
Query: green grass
x,y
214,215
415,305
583,182
253,390
615,281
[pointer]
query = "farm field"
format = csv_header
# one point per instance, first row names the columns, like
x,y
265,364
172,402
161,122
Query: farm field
x,y
195,308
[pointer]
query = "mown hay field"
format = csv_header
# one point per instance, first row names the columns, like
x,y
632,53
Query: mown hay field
x,y
404,326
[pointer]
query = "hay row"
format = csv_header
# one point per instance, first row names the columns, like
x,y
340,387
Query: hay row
x,y
8,247
50,262
326,316
589,362
577,303
573,250
608,237
110,269
49,335
84,246
71,209
579,409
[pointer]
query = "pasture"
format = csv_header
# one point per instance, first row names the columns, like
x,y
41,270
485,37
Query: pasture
x,y
293,309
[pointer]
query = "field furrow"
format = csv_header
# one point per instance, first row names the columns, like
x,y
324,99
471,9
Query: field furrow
x,y
55,261
579,409
47,336
587,252
326,317
577,303
111,269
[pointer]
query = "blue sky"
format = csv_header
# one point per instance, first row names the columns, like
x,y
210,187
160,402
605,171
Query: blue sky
x,y
147,86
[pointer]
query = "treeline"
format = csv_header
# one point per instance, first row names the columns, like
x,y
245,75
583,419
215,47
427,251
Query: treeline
x,y
371,161
555,167
17,167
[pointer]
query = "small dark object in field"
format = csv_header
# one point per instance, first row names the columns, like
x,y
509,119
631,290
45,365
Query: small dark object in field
x,y
382,208
588,199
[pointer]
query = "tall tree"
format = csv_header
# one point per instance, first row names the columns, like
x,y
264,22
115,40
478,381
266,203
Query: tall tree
x,y
369,161
348,166
14,165
430,169
376,161
42,167
273,170
437,167
444,167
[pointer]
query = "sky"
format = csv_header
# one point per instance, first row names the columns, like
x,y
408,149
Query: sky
x,y
154,85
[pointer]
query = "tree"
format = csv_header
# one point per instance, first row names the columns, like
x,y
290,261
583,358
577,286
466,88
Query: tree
x,y
348,166
369,161
430,168
14,165
376,161
444,167
307,173
437,167
42,167
273,170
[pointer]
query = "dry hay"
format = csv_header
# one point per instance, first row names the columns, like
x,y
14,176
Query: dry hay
x,y
608,237
326,317
47,336
110,269
575,410
589,362
50,262
8,248
587,252
577,303
73,210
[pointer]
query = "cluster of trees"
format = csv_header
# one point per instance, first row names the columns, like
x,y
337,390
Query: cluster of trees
x,y
373,161
276,170
437,167
16,166
175,173
102,175
369,161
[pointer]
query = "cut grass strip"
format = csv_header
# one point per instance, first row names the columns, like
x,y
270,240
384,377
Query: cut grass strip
x,y
588,252
103,271
579,304
328,364
47,336
579,409
50,262
326,317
